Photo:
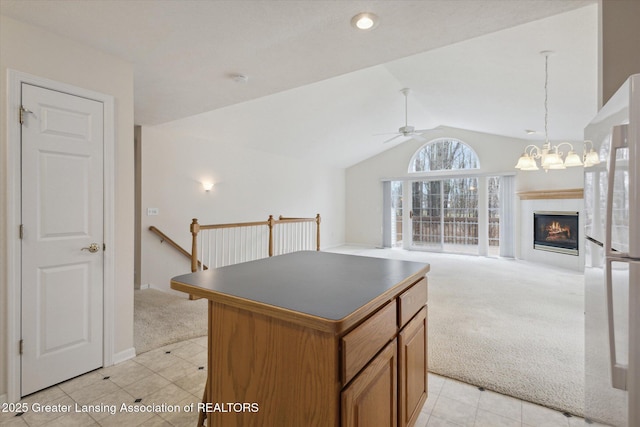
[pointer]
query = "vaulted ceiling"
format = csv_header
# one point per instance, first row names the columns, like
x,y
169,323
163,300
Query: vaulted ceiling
x,y
318,88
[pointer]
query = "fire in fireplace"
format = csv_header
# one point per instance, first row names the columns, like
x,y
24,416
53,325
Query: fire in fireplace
x,y
556,232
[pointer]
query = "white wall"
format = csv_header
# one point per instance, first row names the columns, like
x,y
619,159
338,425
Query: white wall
x,y
250,185
551,180
497,155
32,50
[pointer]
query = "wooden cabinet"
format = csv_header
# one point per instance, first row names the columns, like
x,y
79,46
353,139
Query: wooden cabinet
x,y
371,399
392,387
293,342
412,387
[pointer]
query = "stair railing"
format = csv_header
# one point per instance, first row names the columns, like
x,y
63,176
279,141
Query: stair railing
x,y
224,244
172,243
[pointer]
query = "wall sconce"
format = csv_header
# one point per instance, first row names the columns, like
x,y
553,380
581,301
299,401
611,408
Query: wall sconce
x,y
207,186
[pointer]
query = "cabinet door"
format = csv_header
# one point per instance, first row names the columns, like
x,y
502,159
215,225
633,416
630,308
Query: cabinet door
x,y
371,398
412,344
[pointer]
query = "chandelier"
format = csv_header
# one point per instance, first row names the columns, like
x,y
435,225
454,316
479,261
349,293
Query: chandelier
x,y
550,156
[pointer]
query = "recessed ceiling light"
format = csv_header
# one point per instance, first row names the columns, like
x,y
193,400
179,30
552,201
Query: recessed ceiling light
x,y
529,131
365,21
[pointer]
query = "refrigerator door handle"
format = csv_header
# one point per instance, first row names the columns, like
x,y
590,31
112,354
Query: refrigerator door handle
x,y
618,140
592,240
618,370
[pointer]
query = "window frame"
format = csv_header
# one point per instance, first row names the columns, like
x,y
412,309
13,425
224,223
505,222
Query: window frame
x,y
435,172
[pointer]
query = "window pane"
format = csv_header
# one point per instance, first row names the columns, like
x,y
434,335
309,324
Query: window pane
x,y
396,214
444,154
494,212
460,215
426,213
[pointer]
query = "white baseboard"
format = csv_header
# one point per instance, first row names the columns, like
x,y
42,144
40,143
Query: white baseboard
x,y
167,290
145,286
125,355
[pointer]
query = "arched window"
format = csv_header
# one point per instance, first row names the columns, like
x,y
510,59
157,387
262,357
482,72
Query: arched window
x,y
444,154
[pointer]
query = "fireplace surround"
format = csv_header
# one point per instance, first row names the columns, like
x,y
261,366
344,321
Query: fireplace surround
x,y
556,231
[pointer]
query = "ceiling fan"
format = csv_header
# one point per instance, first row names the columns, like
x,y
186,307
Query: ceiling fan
x,y
406,130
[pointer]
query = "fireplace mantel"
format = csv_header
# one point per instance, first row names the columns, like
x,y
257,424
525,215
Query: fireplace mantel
x,y
571,193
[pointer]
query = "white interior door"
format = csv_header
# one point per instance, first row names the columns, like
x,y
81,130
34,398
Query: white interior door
x,y
62,217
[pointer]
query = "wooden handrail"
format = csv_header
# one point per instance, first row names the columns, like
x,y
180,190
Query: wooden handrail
x,y
231,225
171,242
195,228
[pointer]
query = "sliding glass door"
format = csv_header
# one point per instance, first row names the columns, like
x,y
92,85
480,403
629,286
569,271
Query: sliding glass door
x,y
445,215
470,215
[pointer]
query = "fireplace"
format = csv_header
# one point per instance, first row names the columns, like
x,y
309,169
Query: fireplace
x,y
556,232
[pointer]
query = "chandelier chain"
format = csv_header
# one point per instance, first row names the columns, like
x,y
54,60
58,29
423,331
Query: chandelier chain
x,y
546,96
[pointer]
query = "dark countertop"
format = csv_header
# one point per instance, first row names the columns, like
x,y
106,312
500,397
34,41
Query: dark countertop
x,y
320,284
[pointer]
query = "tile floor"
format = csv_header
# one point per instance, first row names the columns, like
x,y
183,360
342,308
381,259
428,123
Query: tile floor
x,y
176,374
453,403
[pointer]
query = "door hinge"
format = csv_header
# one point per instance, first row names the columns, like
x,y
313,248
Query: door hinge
x,y
104,247
21,231
23,111
21,345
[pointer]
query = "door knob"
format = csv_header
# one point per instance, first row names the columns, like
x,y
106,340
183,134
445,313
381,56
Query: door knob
x,y
93,248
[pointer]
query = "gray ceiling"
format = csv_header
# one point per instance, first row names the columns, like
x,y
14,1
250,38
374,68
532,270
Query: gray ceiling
x,y
318,88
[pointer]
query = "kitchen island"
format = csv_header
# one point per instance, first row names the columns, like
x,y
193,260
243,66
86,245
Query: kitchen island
x,y
314,339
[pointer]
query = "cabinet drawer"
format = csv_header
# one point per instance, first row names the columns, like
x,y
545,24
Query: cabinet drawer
x,y
360,345
411,301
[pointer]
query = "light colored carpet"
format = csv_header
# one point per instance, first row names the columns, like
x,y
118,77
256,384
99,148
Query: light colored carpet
x,y
161,318
509,326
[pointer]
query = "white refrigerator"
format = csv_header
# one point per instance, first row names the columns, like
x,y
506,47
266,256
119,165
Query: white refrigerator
x,y
612,262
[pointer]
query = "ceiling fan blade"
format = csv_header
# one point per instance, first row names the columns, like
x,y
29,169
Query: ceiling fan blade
x,y
386,133
427,130
391,139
